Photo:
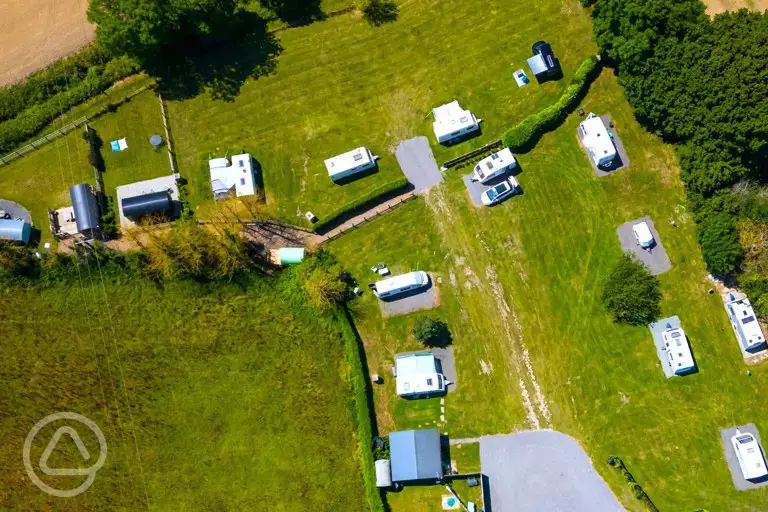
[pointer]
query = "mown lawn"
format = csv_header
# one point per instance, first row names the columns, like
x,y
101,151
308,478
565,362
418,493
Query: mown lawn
x,y
224,397
543,255
341,83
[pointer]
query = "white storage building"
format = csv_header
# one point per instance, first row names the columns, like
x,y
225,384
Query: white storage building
x,y
237,179
452,121
594,135
349,163
417,375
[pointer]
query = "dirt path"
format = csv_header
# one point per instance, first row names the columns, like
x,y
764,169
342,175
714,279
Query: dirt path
x,y
718,6
35,33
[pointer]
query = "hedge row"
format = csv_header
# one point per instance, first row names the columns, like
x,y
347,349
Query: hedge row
x,y
521,135
50,81
372,196
363,412
30,121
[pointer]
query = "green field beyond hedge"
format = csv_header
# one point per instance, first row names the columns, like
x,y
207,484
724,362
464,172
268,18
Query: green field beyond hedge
x,y
210,398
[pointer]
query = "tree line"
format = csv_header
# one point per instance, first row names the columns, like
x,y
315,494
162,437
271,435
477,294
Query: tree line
x,y
700,83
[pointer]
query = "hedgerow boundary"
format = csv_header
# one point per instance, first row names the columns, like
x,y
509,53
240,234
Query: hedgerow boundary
x,y
362,396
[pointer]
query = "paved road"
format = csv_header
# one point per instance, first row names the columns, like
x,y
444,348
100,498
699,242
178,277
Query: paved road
x,y
542,470
418,163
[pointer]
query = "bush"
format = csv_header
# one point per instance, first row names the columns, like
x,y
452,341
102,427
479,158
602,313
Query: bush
x,y
379,12
719,240
432,332
363,201
519,137
320,277
631,294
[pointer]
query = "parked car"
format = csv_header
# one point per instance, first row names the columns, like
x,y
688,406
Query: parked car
x,y
643,235
494,165
750,456
499,192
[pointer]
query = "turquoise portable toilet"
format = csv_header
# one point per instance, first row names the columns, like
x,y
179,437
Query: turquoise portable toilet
x,y
291,255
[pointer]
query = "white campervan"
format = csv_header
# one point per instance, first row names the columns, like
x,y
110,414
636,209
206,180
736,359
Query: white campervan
x,y
401,284
494,165
595,137
750,456
416,375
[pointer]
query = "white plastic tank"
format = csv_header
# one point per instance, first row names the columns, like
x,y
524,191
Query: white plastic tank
x,y
383,473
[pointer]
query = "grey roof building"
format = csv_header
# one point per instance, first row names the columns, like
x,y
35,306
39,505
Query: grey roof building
x,y
147,204
86,210
415,455
15,230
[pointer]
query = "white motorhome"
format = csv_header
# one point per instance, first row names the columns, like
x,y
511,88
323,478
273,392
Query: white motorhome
x,y
679,355
416,375
452,121
235,180
745,323
349,163
594,135
749,455
494,165
401,284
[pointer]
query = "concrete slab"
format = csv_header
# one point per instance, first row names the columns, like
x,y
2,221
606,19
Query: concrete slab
x,y
418,163
423,298
620,162
741,483
445,360
147,187
656,258
542,470
15,210
476,189
656,329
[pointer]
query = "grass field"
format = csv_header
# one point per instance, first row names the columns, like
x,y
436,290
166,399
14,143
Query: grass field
x,y
210,398
535,265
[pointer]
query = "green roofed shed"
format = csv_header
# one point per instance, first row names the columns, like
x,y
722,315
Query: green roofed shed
x,y
291,255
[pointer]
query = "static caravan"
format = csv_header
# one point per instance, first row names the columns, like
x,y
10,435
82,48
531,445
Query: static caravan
x,y
594,135
416,375
749,455
452,121
679,355
349,163
745,324
401,284
494,165
235,180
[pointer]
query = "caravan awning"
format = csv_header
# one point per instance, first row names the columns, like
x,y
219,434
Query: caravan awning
x,y
537,65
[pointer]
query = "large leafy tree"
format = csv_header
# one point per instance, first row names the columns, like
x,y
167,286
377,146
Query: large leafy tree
x,y
631,294
154,31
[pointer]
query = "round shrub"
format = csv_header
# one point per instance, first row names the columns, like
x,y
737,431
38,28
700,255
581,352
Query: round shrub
x,y
631,294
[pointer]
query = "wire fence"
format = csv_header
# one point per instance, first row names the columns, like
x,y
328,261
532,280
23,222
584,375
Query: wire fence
x,y
365,217
64,130
472,154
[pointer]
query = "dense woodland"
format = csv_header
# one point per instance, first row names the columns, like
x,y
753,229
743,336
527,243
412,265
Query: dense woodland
x,y
701,83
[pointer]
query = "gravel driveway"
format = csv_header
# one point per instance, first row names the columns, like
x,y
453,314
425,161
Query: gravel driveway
x,y
656,259
418,163
16,210
542,470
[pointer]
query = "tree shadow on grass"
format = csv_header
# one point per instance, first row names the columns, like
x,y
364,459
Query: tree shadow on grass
x,y
221,69
296,12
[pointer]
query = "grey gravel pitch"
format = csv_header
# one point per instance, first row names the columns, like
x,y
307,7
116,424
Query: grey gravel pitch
x,y
542,470
16,210
620,162
476,189
410,302
418,163
446,361
656,259
656,329
739,481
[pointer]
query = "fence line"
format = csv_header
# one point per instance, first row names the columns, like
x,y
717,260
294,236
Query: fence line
x,y
376,213
472,154
15,155
168,140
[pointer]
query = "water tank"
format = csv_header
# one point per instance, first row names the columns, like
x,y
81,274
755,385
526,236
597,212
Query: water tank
x,y
86,210
147,204
383,473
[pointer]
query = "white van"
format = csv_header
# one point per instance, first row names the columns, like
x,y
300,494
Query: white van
x,y
401,284
643,235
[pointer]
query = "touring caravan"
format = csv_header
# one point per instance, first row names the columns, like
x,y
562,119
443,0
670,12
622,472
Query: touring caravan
x,y
403,283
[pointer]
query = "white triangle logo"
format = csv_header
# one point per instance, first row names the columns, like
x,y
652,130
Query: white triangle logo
x,y
52,445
